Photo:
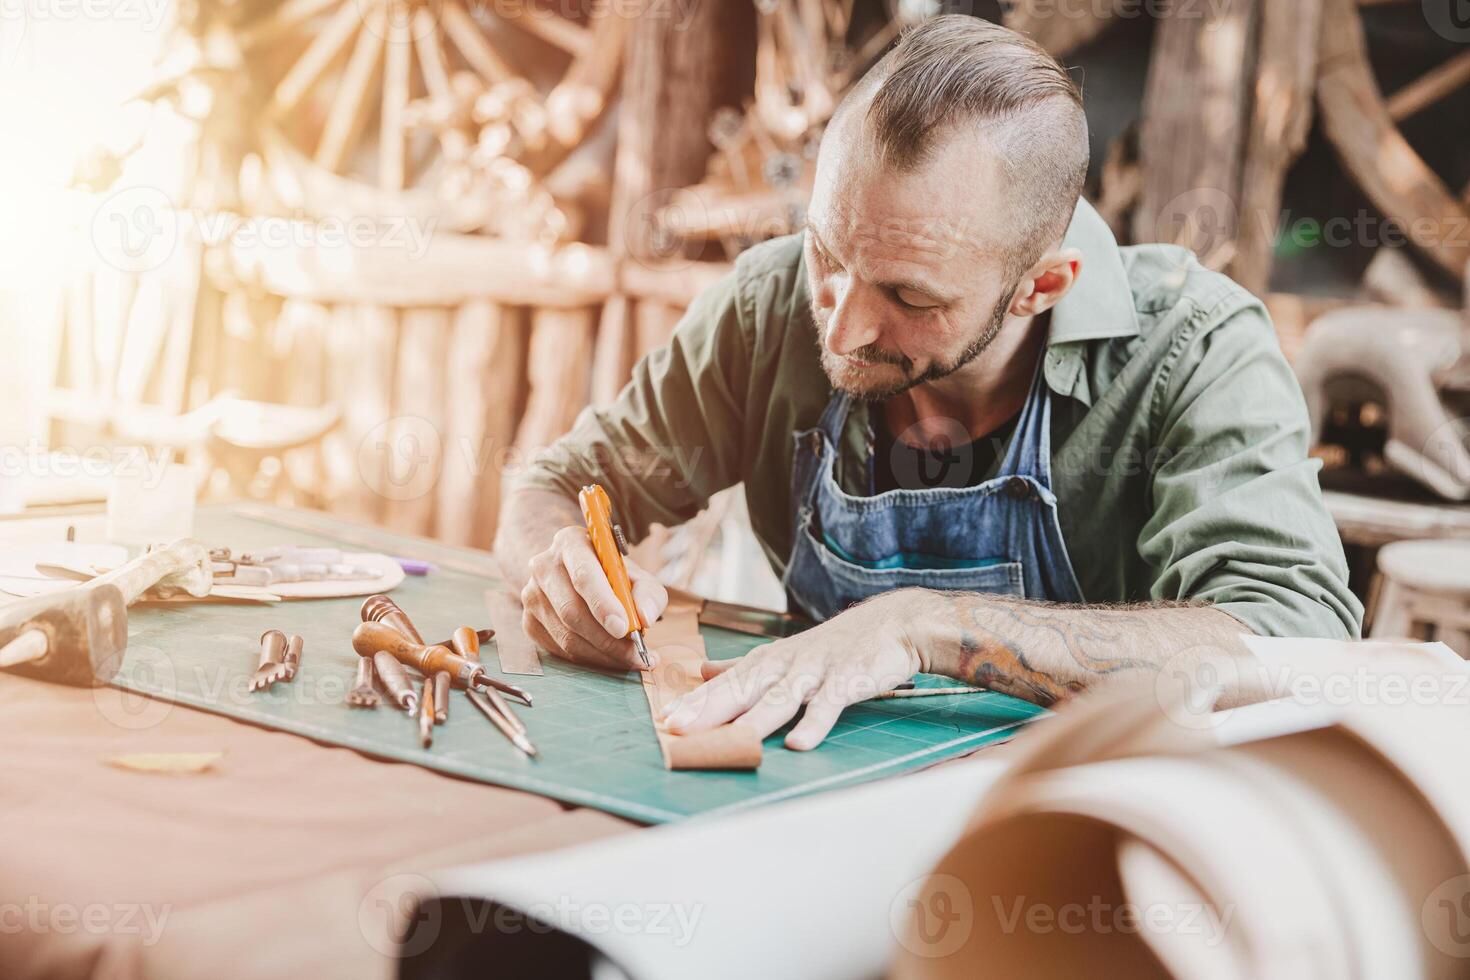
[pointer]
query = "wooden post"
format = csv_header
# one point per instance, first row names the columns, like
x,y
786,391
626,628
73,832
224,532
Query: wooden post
x,y
363,342
416,434
655,322
679,66
1196,113
483,389
1286,76
677,69
614,356
559,367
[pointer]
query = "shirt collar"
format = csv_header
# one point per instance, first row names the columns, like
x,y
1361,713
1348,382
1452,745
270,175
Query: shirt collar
x,y
1100,303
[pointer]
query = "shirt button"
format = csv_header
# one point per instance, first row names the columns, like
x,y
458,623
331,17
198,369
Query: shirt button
x,y
1018,488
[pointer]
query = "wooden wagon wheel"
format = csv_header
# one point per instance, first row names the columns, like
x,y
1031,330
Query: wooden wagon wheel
x,y
1363,125
419,108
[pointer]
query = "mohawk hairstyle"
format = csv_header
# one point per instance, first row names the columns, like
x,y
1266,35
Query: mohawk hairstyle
x,y
956,71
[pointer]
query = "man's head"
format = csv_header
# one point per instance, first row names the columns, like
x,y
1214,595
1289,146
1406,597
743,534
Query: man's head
x,y
945,183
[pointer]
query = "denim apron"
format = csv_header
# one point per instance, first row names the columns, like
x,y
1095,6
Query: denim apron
x,y
1001,536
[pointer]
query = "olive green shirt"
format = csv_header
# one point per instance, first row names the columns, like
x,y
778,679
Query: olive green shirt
x,y
1179,434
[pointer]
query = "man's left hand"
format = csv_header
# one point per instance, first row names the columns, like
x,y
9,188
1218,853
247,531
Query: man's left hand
x,y
861,652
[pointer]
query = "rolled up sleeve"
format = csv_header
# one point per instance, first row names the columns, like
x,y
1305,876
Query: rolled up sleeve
x,y
1238,519
673,436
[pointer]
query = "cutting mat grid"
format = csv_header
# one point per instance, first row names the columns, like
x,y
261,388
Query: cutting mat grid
x,y
592,728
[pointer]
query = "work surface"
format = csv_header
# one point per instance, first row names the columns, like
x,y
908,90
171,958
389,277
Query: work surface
x,y
274,864
596,739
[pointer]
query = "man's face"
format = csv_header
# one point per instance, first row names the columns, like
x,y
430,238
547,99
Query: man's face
x,y
907,271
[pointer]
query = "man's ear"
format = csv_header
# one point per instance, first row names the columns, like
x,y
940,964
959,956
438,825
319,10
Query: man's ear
x,y
1046,282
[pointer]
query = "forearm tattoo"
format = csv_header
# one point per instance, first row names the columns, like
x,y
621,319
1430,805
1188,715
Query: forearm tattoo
x,y
1046,652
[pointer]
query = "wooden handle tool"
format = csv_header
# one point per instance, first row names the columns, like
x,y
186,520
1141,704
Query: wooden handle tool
x,y
79,636
381,609
394,678
441,698
426,714
373,637
483,636
467,645
607,540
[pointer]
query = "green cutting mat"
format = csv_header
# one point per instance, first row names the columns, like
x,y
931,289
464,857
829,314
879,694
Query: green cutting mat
x,y
593,730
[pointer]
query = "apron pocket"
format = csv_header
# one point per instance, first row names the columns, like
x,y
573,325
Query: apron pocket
x,y
853,582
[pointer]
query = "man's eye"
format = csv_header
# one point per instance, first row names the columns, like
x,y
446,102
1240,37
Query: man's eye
x,y
912,301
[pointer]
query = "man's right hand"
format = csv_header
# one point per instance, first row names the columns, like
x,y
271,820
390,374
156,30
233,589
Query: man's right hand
x,y
570,608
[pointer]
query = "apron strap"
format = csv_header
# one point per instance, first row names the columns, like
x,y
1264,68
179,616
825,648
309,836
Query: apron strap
x,y
834,416
1029,453
809,457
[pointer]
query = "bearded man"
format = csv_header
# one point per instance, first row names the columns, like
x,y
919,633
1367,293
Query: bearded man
x,y
977,437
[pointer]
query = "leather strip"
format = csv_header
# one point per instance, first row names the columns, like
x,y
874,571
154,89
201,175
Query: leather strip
x,y
675,639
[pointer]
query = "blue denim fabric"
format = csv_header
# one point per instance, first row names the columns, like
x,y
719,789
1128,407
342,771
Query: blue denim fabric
x,y
1001,536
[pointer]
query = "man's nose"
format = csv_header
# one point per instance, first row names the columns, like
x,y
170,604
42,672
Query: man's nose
x,y
854,321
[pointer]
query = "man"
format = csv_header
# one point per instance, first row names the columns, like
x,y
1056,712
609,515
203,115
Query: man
x,y
977,437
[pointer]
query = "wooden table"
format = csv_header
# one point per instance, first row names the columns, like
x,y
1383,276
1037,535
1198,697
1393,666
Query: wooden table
x,y
287,860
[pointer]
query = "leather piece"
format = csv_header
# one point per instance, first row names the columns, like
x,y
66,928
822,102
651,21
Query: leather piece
x,y
676,640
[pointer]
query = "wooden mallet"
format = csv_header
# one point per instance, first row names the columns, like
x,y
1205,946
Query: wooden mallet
x,y
78,636
73,637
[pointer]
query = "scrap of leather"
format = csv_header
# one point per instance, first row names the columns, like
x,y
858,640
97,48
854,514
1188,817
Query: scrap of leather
x,y
680,650
516,652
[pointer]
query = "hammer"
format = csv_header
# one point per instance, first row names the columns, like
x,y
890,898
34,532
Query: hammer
x,y
78,636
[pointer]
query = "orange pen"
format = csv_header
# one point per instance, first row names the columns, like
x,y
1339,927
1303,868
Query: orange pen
x,y
607,540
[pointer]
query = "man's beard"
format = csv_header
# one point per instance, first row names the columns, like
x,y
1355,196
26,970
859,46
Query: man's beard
x,y
838,371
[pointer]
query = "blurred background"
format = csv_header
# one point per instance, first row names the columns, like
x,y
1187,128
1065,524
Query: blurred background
x,y
369,256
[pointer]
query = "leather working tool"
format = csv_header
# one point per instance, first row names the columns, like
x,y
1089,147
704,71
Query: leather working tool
x,y
75,637
441,698
78,635
380,611
394,678
285,564
292,662
426,713
610,545
750,620
481,636
371,638
363,693
924,692
467,644
272,666
518,739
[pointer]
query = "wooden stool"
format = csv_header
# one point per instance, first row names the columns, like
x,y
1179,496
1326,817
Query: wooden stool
x,y
1425,593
